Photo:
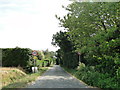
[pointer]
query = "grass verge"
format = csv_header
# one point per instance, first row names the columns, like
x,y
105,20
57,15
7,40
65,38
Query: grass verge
x,y
22,82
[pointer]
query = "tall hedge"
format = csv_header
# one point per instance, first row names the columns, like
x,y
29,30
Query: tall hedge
x,y
14,57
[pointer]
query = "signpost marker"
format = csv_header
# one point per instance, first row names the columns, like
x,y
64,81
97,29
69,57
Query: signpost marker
x,y
34,53
79,57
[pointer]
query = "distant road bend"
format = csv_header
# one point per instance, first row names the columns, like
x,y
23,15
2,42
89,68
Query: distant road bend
x,y
56,77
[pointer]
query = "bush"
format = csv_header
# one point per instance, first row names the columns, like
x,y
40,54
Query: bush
x,y
81,66
16,57
94,78
118,73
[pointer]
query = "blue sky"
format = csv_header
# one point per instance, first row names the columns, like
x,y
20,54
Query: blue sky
x,y
30,23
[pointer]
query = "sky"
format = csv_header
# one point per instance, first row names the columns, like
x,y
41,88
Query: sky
x,y
30,23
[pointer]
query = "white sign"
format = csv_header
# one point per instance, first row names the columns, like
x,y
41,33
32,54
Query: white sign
x,y
34,69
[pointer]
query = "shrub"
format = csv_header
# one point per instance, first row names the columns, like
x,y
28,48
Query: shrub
x,y
94,78
81,66
16,57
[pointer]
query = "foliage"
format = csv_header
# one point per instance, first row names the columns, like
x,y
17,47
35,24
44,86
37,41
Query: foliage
x,y
65,55
22,57
50,56
40,55
94,78
93,29
14,57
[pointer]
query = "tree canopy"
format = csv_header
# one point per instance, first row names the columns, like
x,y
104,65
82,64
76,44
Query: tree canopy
x,y
93,29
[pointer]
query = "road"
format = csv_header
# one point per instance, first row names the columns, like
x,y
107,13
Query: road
x,y
56,77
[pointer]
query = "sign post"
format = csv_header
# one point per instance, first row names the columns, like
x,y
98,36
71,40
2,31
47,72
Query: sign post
x,y
79,56
34,53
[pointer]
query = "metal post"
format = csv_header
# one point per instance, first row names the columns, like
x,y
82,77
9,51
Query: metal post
x,y
79,59
34,53
34,65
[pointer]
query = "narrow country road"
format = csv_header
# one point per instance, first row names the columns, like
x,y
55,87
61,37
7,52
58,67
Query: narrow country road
x,y
56,77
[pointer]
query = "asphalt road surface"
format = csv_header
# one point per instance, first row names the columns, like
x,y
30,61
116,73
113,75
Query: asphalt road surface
x,y
56,77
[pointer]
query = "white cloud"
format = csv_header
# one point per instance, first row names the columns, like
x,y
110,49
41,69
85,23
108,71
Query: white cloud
x,y
29,23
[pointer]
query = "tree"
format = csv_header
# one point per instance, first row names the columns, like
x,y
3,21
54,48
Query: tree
x,y
93,29
65,55
40,55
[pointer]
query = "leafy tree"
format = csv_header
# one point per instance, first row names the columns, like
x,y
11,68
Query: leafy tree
x,y
40,55
65,55
94,30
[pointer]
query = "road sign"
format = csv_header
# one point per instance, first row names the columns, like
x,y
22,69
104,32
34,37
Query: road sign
x,y
35,57
34,53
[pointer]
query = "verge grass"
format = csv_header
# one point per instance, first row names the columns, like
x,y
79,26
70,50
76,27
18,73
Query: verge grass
x,y
15,79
